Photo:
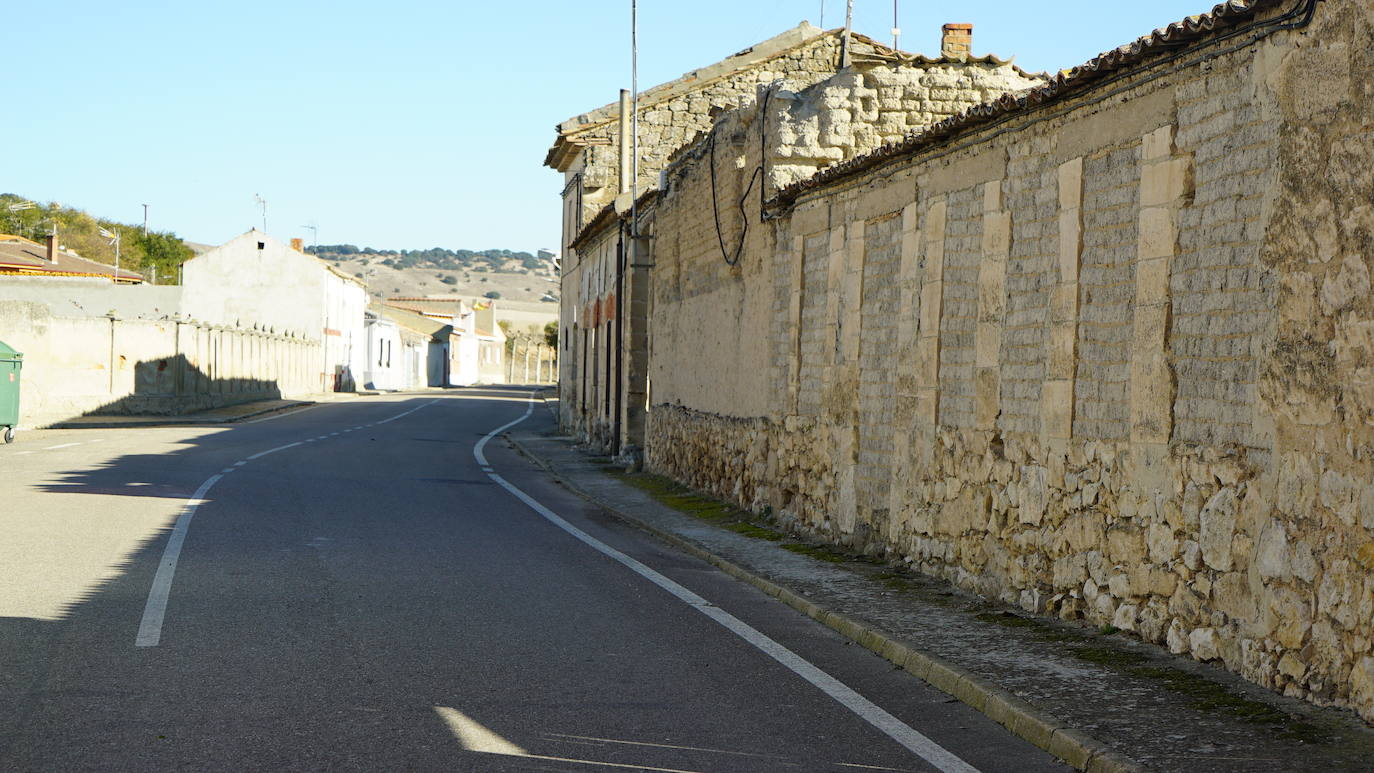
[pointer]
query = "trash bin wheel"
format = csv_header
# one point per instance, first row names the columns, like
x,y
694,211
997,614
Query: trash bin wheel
x,y
9,434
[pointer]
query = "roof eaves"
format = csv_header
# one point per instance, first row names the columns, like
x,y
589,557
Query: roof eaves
x,y
768,50
605,217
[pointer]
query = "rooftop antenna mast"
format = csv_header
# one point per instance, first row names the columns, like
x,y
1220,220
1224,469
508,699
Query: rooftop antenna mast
x,y
896,28
634,116
314,235
262,203
848,30
114,238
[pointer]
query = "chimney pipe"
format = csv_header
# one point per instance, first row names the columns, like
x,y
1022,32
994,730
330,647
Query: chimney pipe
x,y
957,41
52,246
298,244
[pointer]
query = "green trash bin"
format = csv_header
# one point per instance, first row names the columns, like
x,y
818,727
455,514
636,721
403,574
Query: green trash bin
x,y
11,362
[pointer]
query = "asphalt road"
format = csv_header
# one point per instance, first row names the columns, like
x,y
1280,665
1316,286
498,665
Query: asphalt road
x,y
355,592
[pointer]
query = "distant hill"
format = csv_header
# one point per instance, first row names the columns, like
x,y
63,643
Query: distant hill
x,y
79,232
517,276
440,258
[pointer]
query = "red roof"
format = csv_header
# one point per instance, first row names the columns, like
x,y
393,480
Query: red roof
x,y
22,257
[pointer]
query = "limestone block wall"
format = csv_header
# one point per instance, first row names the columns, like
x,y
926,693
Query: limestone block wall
x,y
858,111
669,124
1111,364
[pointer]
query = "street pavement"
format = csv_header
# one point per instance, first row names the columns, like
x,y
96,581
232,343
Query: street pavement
x,y
353,590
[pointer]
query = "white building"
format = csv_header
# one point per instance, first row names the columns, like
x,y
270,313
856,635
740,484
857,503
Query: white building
x,y
255,281
397,357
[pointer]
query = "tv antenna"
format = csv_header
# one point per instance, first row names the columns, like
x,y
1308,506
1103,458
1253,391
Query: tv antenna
x,y
314,235
262,203
114,239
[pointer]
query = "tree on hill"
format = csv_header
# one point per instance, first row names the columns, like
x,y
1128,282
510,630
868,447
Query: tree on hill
x,y
434,257
79,232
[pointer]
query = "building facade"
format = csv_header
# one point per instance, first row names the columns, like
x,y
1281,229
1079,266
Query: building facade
x,y
257,282
824,98
1100,349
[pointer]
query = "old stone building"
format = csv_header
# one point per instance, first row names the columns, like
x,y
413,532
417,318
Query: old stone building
x,y
1103,349
819,113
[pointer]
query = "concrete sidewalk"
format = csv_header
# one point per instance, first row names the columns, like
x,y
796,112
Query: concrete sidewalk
x,y
1098,699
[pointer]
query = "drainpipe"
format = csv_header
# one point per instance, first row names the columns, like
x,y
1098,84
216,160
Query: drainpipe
x,y
620,332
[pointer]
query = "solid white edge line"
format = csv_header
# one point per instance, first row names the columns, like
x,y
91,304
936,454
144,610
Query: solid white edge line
x,y
912,739
155,610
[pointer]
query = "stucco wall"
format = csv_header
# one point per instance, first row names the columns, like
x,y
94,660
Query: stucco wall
x,y
89,297
1109,361
80,365
279,290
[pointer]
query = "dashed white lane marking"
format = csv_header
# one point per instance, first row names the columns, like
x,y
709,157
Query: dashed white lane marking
x,y
915,741
63,445
155,610
150,628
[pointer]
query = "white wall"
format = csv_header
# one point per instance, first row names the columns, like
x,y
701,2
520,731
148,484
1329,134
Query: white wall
x,y
79,365
255,281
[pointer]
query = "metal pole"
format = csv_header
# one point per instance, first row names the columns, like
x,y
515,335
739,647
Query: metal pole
x,y
634,113
822,24
896,28
848,30
145,220
116,275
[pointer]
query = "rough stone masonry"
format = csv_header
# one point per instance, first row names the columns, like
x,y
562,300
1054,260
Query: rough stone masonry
x,y
1104,350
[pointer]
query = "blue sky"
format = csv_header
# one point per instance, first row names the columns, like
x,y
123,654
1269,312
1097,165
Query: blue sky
x,y
407,124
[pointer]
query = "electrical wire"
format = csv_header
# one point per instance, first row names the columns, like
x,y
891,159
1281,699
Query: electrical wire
x,y
755,178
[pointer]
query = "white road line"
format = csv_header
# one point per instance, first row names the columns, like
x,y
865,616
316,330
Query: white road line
x,y
64,445
150,629
155,610
261,454
899,731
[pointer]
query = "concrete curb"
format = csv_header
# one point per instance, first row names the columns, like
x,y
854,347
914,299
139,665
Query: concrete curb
x,y
187,420
1075,747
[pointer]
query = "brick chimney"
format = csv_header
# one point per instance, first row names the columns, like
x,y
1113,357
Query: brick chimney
x,y
298,244
957,41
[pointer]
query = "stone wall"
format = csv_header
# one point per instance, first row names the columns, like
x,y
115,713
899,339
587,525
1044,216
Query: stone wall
x,y
1111,360
815,118
860,110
